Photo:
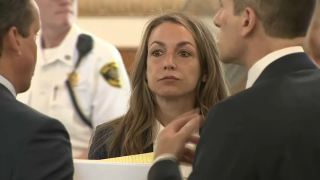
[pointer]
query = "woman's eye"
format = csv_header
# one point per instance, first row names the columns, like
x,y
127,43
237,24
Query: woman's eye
x,y
157,53
184,54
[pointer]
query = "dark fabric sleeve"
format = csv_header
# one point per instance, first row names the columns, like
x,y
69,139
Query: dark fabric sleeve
x,y
97,150
46,154
164,170
227,148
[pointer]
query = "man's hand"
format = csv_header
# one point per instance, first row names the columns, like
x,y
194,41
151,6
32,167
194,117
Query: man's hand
x,y
172,140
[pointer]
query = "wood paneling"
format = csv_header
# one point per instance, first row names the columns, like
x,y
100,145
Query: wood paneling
x,y
128,55
145,7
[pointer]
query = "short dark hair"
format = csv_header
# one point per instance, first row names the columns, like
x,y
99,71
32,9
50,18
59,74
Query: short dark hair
x,y
281,18
15,13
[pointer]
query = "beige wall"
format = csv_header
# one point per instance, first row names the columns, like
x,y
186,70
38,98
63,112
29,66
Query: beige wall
x,y
123,32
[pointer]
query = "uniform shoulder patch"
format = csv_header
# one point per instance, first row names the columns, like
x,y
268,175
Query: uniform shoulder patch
x,y
110,73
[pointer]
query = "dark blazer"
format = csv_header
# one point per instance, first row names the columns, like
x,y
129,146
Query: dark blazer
x,y
270,131
33,146
98,150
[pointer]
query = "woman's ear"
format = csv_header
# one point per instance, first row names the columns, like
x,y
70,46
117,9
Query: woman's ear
x,y
204,77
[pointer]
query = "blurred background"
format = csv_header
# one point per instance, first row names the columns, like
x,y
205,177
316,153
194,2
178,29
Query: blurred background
x,y
121,22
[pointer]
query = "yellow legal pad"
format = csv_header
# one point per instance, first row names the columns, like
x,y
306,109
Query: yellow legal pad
x,y
139,158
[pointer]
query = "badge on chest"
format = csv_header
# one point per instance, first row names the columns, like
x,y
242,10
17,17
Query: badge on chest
x,y
73,78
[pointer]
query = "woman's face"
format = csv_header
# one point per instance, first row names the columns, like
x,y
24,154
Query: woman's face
x,y
173,66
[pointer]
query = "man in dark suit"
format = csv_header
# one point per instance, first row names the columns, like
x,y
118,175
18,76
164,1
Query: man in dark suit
x,y
33,146
269,131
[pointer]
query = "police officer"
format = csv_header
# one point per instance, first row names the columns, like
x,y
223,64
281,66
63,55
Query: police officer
x,y
99,84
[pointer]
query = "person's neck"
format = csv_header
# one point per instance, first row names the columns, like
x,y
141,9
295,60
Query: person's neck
x,y
53,37
257,51
7,72
169,109
317,61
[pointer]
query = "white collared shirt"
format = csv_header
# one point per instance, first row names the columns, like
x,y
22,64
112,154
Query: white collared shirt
x,y
185,169
99,99
260,65
8,85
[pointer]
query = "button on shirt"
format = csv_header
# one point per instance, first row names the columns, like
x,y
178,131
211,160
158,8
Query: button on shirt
x,y
99,99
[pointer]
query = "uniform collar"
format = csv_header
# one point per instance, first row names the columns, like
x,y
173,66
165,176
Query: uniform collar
x,y
65,51
8,85
260,65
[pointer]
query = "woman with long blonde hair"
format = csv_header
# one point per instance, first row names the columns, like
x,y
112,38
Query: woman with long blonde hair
x,y
176,69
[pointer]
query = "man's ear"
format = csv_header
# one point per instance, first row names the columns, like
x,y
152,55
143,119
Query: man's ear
x,y
248,21
13,40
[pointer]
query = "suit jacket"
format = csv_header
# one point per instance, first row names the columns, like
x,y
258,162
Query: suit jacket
x,y
33,146
99,150
270,131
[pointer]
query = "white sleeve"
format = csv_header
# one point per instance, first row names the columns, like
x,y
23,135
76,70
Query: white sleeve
x,y
110,100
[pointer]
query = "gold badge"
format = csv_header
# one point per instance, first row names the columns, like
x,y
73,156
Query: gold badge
x,y
73,78
111,74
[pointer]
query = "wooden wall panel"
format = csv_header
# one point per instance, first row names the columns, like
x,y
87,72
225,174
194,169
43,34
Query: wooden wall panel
x,y
126,7
128,55
145,7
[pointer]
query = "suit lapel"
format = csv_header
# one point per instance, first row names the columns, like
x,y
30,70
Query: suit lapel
x,y
285,65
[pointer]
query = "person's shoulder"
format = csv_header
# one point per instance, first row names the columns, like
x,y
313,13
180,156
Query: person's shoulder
x,y
242,102
298,82
98,147
271,90
27,116
105,129
23,124
308,76
102,47
28,134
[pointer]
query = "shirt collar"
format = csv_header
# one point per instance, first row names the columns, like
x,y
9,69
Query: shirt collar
x,y
260,65
158,127
8,85
65,51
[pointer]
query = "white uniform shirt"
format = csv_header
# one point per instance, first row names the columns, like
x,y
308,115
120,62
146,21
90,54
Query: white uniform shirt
x,y
185,169
98,99
260,65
